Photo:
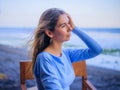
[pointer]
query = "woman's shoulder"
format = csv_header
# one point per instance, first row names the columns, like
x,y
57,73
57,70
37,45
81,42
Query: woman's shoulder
x,y
46,56
43,56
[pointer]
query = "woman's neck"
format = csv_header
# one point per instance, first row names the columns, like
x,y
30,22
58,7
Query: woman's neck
x,y
54,48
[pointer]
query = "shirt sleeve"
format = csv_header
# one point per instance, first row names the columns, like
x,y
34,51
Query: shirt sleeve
x,y
80,54
48,74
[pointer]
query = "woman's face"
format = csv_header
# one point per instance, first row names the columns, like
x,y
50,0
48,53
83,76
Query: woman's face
x,y
62,29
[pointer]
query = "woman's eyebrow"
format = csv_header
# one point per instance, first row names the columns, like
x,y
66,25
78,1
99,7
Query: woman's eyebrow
x,y
61,24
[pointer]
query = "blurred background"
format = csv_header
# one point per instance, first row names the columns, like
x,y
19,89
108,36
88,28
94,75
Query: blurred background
x,y
98,18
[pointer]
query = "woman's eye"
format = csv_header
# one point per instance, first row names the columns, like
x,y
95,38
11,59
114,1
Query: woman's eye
x,y
62,26
68,23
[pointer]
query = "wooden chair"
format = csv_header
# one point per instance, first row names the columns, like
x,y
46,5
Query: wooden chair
x,y
79,69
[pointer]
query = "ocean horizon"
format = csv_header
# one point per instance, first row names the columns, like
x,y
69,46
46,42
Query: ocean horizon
x,y
28,29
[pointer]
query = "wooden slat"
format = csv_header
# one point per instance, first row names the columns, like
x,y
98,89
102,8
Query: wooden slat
x,y
28,71
80,68
89,85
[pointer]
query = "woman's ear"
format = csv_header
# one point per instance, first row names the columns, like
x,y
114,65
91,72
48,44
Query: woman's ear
x,y
49,33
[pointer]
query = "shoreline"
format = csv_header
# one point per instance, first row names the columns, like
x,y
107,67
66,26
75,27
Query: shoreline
x,y
105,61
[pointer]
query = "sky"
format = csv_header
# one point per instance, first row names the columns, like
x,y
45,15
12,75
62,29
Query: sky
x,y
85,13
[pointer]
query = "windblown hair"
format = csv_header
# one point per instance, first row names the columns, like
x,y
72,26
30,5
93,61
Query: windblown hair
x,y
48,21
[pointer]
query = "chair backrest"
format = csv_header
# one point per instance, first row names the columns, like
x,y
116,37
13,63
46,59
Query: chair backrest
x,y
80,68
26,71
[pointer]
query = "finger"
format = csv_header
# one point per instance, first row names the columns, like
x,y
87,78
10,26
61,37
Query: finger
x,y
70,20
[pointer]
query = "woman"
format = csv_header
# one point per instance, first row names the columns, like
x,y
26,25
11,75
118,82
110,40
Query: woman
x,y
52,65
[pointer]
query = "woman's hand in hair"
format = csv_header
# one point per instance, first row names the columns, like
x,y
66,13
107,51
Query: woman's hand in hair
x,y
70,21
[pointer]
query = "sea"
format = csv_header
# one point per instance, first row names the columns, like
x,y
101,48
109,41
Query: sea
x,y
108,38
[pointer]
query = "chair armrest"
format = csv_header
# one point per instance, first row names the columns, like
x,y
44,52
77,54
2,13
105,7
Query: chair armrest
x,y
89,85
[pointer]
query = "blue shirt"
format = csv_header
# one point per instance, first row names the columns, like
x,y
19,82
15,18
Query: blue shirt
x,y
56,73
